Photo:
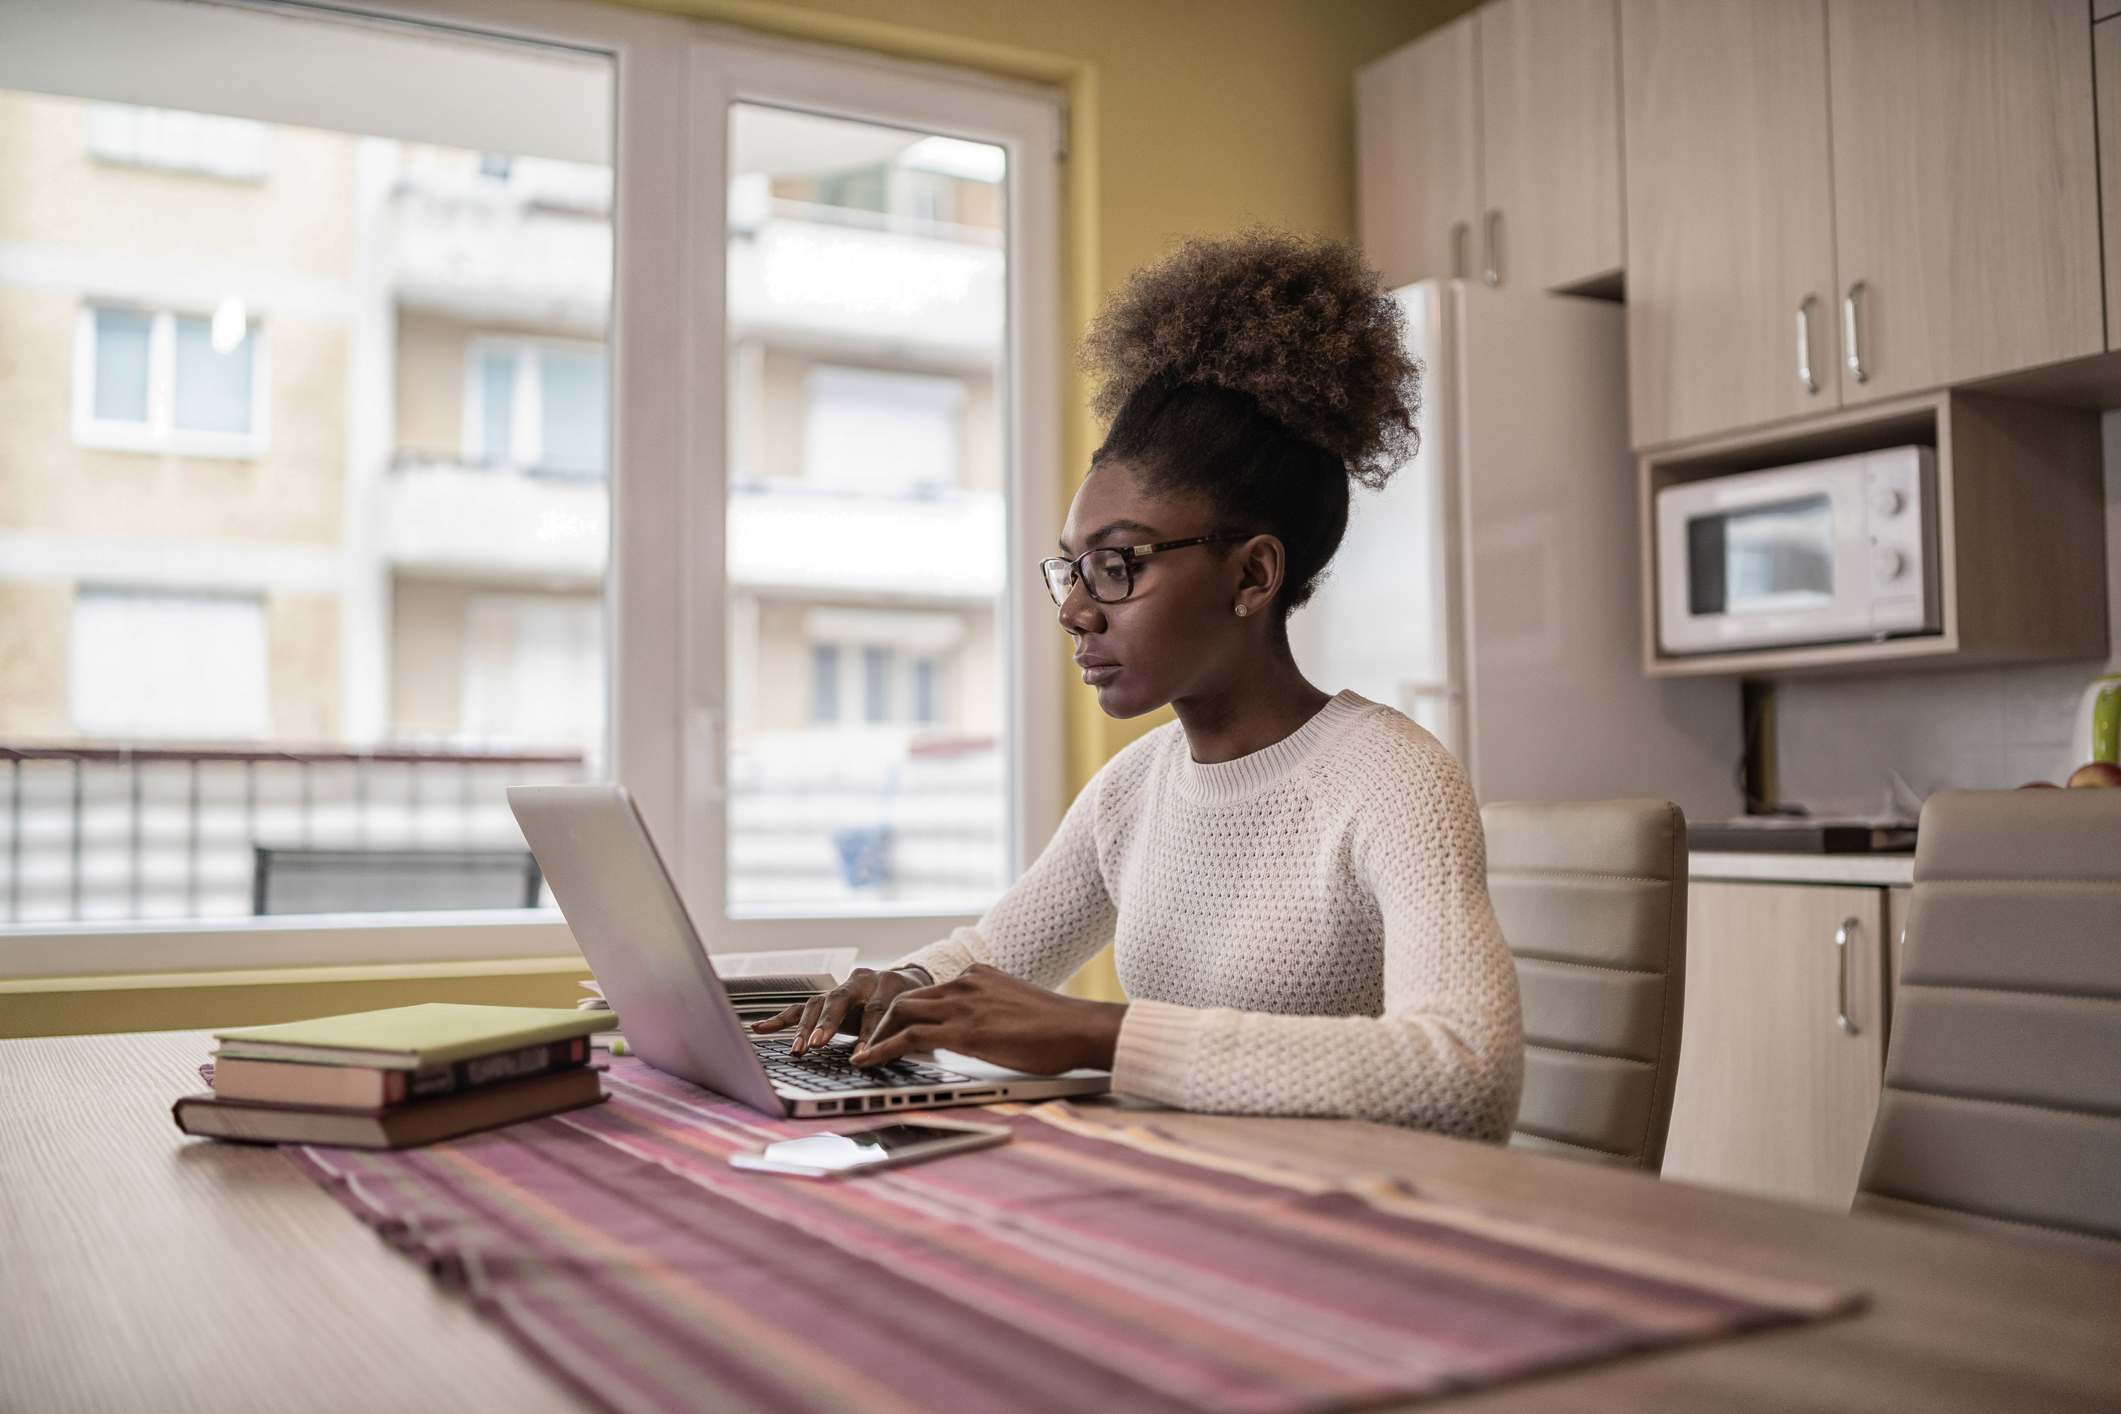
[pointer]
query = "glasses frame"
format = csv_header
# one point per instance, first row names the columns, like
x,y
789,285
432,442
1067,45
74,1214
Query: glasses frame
x,y
1129,555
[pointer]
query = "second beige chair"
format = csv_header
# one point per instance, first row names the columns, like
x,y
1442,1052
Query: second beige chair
x,y
2002,1104
1591,896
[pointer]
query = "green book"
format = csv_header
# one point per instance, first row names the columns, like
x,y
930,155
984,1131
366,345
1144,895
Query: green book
x,y
410,1037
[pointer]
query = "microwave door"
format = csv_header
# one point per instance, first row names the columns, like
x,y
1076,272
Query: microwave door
x,y
1758,565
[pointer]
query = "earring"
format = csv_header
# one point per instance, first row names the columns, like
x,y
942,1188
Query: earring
x,y
1242,611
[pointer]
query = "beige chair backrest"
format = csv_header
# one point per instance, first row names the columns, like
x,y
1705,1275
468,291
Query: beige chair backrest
x,y
1592,900
2002,1105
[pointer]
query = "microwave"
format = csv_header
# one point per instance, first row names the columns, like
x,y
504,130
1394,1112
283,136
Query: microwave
x,y
1833,551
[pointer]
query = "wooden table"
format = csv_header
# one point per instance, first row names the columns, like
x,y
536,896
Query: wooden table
x,y
140,1270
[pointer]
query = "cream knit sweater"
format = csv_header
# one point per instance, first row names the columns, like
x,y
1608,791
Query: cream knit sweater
x,y
1302,931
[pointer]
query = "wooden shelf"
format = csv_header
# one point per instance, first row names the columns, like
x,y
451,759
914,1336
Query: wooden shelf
x,y
2021,531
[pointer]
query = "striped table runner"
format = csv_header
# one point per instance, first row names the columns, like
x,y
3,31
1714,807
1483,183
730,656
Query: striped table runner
x,y
1076,1268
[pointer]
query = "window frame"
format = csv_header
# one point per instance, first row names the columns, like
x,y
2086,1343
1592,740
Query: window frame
x,y
159,434
665,596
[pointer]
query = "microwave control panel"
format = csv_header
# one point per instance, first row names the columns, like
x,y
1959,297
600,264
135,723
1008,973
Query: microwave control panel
x,y
1897,505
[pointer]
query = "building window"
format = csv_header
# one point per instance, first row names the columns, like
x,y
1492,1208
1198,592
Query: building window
x,y
171,140
168,666
192,384
540,405
825,683
924,691
889,434
876,684
533,670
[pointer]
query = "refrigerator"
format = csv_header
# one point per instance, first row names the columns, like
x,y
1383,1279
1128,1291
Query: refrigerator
x,y
1493,589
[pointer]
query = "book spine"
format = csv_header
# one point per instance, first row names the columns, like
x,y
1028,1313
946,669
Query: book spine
x,y
478,1071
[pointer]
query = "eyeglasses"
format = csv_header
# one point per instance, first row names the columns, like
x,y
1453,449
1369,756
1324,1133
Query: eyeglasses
x,y
1108,574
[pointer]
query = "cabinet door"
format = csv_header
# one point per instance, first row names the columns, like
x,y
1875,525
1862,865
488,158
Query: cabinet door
x,y
1417,186
2106,65
1549,142
1775,1096
1966,188
1730,226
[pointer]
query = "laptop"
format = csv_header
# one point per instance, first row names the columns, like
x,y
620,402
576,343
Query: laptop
x,y
649,959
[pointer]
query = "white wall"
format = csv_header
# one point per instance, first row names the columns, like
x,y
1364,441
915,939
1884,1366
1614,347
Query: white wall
x,y
1984,729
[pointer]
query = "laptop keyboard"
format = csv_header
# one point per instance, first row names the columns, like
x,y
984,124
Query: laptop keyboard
x,y
826,1069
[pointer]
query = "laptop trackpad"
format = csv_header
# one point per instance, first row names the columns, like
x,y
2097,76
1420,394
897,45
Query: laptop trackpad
x,y
981,1070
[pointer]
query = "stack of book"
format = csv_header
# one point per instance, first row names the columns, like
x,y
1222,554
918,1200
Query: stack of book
x,y
389,1079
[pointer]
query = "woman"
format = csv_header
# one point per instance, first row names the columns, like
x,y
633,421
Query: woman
x,y
1295,884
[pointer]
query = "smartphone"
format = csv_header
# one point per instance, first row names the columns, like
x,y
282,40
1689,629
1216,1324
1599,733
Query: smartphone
x,y
864,1150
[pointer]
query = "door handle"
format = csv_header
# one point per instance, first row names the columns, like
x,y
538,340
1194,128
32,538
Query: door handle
x,y
1804,344
1460,234
1848,332
1493,226
1841,949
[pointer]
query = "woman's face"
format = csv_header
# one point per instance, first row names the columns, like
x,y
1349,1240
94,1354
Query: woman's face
x,y
1178,634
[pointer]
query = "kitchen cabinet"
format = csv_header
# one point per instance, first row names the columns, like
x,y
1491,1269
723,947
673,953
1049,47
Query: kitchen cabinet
x,y
1417,183
1783,1053
1490,149
1966,190
2106,72
1927,217
1730,218
1549,143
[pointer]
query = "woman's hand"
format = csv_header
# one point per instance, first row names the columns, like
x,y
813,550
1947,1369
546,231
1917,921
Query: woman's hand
x,y
857,1005
989,1014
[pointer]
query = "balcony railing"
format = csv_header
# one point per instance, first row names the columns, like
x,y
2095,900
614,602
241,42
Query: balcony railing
x,y
119,832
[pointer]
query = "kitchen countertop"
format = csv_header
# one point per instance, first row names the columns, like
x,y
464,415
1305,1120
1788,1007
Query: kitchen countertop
x,y
1887,869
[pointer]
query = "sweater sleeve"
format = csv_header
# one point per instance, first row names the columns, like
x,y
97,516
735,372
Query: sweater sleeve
x,y
1048,923
1448,1052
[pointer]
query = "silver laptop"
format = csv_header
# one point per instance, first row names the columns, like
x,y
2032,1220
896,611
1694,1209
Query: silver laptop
x,y
654,970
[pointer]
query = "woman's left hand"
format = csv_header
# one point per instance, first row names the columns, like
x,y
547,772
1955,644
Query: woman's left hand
x,y
987,1013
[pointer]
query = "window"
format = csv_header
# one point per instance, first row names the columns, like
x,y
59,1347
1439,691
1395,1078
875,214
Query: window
x,y
868,516
176,141
163,666
541,406
344,638
193,384
424,621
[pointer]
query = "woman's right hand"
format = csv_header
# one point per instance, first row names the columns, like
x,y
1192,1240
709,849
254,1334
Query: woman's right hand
x,y
857,1005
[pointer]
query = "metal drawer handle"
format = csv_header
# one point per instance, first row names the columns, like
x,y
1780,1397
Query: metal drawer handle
x,y
1841,945
1460,234
1493,274
1804,344
1848,332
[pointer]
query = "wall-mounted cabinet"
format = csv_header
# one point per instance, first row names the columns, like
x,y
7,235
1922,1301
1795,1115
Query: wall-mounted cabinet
x,y
1920,213
1966,190
1417,157
1730,216
1490,149
2106,72
2021,531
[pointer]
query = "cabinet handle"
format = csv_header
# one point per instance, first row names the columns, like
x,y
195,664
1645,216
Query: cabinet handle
x,y
1804,344
1848,332
1841,947
1460,234
1493,225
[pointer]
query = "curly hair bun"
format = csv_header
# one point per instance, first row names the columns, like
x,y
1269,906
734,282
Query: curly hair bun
x,y
1297,323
